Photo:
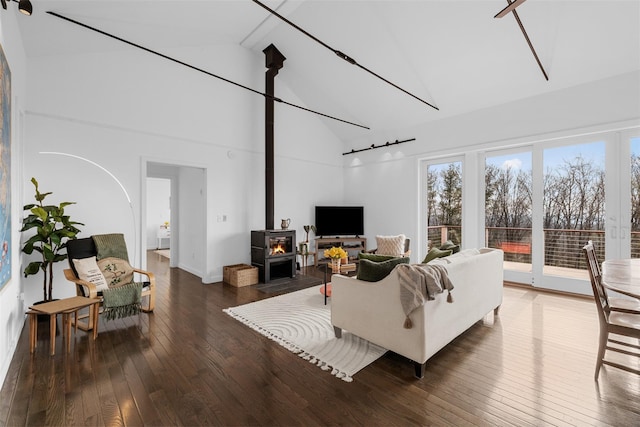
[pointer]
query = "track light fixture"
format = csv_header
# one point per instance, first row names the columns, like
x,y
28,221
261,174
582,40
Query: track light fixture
x,y
24,6
374,146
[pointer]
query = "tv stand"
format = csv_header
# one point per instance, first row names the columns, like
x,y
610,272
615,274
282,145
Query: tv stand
x,y
352,245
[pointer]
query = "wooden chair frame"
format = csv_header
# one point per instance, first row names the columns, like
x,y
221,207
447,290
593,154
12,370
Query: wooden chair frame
x,y
622,305
611,322
82,248
88,289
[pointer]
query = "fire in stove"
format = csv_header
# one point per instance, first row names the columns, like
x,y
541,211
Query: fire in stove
x,y
278,248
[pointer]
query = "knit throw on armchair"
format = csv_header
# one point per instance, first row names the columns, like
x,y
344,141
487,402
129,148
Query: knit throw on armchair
x,y
122,300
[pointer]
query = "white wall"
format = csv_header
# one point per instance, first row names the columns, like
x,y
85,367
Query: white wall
x,y
120,109
158,209
193,223
386,181
12,306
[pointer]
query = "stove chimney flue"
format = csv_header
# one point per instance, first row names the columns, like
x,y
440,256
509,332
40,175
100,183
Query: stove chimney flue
x,y
273,61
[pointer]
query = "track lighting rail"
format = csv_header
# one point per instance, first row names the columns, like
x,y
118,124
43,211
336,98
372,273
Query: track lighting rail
x,y
373,146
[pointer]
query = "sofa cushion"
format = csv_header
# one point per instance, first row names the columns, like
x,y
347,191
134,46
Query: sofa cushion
x,y
88,270
449,245
117,271
374,257
436,253
390,245
370,271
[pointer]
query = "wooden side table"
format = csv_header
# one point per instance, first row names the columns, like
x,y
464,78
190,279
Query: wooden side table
x,y
304,256
66,307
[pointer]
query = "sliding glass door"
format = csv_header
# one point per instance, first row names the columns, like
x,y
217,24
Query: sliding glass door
x,y
443,202
573,208
544,202
508,210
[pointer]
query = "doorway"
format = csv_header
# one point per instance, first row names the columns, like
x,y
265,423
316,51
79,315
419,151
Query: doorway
x,y
175,213
158,230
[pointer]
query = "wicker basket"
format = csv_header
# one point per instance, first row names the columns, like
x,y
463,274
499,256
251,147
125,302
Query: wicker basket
x,y
240,275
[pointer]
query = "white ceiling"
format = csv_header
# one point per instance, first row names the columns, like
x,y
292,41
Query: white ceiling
x,y
453,54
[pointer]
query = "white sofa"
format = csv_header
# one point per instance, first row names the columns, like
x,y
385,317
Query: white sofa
x,y
372,310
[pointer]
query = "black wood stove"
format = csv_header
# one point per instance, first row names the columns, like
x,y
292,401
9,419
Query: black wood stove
x,y
274,253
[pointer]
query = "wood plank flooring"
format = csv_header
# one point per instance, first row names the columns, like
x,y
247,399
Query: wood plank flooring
x,y
188,363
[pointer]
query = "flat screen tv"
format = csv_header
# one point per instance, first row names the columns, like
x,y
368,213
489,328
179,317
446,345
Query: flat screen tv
x,y
339,221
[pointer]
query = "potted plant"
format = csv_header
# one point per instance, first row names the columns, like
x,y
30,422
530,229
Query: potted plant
x,y
335,253
53,229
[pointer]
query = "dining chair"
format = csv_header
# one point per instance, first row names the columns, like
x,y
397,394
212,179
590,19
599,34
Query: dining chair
x,y
611,322
623,305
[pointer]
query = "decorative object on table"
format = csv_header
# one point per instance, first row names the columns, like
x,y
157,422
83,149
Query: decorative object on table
x,y
284,224
304,248
53,230
299,322
308,228
335,254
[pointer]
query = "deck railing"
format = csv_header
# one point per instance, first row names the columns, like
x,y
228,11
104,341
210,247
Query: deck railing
x,y
562,247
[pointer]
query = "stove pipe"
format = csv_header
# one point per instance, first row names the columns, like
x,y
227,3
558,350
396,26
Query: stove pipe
x,y
273,61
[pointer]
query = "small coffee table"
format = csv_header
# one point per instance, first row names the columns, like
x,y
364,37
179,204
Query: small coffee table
x,y
66,307
345,269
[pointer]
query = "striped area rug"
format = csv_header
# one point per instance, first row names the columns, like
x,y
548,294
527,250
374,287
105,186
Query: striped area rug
x,y
300,322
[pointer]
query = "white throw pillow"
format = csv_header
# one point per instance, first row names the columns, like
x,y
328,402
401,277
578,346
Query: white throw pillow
x,y
89,271
390,245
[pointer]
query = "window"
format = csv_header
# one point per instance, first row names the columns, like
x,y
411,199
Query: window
x,y
444,202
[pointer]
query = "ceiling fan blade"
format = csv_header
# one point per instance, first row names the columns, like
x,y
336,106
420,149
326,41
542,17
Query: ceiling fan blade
x,y
509,8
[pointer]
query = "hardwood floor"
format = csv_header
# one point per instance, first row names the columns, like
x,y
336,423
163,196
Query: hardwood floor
x,y
188,363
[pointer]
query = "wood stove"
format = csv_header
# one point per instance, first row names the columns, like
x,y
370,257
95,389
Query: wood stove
x,y
274,253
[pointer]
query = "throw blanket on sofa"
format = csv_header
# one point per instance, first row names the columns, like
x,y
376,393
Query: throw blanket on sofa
x,y
420,283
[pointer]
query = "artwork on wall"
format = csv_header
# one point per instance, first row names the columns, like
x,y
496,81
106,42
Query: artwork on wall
x,y
5,170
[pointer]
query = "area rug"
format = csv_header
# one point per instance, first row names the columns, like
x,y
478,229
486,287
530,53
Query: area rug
x,y
288,284
163,252
300,322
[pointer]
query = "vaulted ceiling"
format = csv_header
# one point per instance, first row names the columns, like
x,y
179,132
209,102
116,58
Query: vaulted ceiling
x,y
453,54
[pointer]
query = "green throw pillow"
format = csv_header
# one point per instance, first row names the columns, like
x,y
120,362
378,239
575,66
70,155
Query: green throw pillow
x,y
375,257
449,245
436,253
371,271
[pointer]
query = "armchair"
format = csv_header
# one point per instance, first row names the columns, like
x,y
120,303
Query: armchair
x,y
86,248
